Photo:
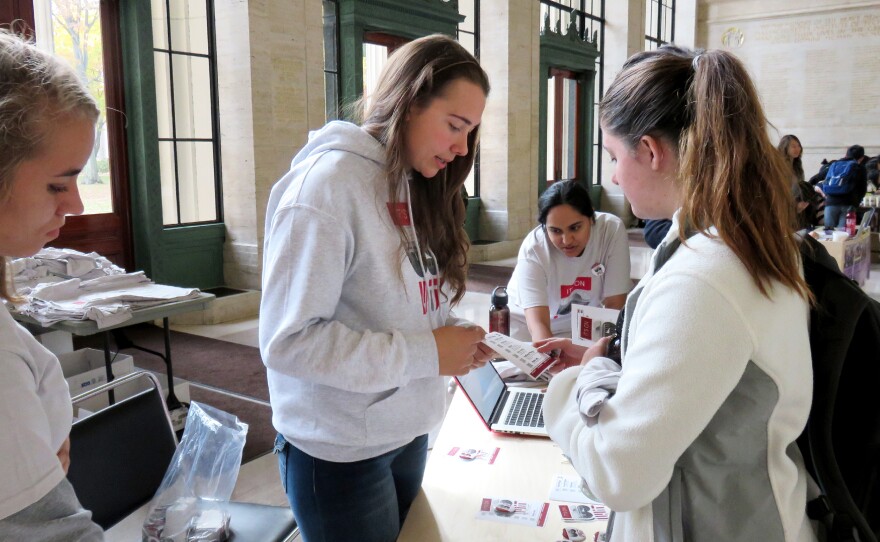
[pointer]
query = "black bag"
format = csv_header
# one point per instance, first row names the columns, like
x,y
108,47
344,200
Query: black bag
x,y
841,443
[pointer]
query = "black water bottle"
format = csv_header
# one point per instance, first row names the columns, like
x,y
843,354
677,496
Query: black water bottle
x,y
499,313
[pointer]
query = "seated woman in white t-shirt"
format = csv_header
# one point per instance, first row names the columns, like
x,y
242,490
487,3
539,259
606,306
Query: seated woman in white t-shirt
x,y
576,255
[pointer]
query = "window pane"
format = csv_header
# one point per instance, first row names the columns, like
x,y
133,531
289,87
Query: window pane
x,y
467,41
189,26
466,8
569,127
374,59
469,182
668,35
195,175
160,24
71,29
551,127
163,95
192,96
330,36
167,183
331,96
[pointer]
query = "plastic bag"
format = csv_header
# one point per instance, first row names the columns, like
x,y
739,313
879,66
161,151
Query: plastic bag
x,y
190,504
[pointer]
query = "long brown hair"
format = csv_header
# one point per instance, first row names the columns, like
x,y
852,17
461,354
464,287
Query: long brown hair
x,y
414,75
797,164
36,88
730,174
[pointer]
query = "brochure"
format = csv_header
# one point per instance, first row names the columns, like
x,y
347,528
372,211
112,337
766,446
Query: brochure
x,y
523,355
589,324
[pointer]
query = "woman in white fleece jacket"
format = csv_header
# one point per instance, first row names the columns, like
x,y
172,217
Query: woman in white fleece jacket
x,y
364,255
693,439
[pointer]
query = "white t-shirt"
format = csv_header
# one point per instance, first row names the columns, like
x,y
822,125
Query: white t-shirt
x,y
35,417
545,277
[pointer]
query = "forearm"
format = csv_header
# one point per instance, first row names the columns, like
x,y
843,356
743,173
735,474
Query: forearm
x,y
538,322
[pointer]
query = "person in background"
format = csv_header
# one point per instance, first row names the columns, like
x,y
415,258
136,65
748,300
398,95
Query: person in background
x,y
47,131
807,200
837,206
655,231
693,438
575,255
365,254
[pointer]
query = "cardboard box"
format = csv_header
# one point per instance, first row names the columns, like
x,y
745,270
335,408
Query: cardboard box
x,y
853,255
57,342
84,369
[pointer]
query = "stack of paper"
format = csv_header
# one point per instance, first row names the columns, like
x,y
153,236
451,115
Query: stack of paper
x,y
69,285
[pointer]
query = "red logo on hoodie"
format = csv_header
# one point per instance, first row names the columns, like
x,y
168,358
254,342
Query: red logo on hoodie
x,y
430,293
399,213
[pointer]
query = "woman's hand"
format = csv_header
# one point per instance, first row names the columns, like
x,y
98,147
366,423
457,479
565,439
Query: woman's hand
x,y
64,454
569,354
459,349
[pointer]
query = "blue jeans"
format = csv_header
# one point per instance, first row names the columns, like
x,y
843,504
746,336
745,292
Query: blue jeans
x,y
365,500
835,215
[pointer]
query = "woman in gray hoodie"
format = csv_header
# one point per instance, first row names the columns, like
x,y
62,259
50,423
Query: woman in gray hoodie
x,y
364,256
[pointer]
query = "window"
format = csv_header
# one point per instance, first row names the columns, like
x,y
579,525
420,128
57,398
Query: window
x,y
72,30
563,112
331,60
377,47
589,20
186,111
659,23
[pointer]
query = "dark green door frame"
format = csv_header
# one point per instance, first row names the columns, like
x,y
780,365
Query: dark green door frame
x,y
182,255
569,52
405,18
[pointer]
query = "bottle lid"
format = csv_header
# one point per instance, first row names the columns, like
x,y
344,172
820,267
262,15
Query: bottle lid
x,y
499,296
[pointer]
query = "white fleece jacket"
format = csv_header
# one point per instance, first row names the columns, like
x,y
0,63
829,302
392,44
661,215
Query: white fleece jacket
x,y
345,318
697,441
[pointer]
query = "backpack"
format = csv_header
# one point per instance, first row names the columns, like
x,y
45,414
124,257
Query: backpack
x,y
841,442
840,179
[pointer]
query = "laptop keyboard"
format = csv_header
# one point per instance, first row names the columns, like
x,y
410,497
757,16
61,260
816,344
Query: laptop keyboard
x,y
526,410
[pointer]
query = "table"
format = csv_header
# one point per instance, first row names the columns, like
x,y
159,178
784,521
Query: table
x,y
138,316
446,506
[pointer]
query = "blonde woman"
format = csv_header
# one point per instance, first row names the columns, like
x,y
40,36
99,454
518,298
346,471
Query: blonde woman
x,y
47,130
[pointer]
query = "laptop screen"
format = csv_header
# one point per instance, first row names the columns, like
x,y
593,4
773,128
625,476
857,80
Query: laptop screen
x,y
484,387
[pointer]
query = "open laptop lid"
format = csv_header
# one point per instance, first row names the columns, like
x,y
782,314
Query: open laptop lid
x,y
491,397
484,388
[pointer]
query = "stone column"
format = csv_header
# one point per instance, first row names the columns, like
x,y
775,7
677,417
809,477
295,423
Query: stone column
x,y
509,47
271,93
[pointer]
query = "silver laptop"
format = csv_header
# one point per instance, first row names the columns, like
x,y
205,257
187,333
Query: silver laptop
x,y
503,408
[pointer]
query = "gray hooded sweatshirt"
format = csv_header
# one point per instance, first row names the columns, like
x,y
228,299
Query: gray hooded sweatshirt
x,y
346,316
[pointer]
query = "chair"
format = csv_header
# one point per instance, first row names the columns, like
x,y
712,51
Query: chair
x,y
119,455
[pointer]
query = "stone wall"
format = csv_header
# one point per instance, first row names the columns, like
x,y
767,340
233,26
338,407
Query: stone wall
x,y
271,92
816,67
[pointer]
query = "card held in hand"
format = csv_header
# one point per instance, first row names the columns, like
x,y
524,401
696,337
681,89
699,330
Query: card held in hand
x,y
531,362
